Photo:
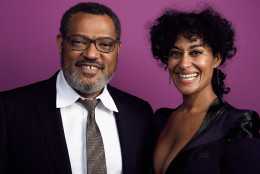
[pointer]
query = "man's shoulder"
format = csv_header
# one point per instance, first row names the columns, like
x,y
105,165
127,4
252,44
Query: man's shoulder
x,y
16,92
126,98
122,95
30,90
132,107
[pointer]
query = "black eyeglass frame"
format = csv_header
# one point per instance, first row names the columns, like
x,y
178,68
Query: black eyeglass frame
x,y
91,41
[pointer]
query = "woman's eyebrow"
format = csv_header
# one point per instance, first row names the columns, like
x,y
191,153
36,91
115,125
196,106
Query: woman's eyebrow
x,y
191,47
194,46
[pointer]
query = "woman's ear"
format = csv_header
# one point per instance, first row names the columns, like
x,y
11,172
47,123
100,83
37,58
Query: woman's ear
x,y
218,59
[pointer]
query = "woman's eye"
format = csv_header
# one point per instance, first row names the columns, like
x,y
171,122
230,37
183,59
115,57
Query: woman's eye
x,y
195,53
175,54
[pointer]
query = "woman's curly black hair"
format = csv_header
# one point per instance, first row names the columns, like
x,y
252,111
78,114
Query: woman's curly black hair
x,y
208,25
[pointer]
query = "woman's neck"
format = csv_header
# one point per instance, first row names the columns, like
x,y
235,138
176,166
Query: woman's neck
x,y
198,102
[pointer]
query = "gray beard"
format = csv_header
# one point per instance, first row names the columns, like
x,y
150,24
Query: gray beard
x,y
76,83
73,79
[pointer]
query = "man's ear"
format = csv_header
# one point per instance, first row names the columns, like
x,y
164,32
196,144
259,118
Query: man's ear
x,y
59,39
218,59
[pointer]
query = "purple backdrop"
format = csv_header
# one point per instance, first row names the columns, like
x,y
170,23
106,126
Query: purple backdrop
x,y
29,52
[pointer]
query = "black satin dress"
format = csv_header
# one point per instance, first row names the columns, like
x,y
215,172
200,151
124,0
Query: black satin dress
x,y
228,142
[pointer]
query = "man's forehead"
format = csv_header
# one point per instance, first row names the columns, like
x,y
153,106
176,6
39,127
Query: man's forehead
x,y
77,17
91,24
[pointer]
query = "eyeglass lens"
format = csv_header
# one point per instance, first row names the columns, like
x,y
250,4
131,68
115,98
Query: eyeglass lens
x,y
102,44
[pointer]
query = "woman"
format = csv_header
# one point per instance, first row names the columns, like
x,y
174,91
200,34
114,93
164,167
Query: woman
x,y
204,134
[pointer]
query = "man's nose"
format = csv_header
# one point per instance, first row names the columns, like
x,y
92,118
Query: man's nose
x,y
91,52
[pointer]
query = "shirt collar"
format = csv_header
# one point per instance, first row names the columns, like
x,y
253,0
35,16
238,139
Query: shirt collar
x,y
66,95
107,100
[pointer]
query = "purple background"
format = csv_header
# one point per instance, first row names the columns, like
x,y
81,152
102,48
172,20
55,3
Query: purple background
x,y
29,53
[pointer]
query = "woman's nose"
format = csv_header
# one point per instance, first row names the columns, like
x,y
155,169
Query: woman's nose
x,y
185,61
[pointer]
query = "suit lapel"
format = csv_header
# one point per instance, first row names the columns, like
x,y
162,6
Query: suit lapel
x,y
126,131
51,123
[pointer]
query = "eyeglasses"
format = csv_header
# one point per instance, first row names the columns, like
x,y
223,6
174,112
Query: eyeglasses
x,y
80,43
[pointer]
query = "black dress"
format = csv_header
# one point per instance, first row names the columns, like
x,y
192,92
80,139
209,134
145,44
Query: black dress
x,y
228,142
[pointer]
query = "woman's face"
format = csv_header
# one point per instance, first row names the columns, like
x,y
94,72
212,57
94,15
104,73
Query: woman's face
x,y
191,65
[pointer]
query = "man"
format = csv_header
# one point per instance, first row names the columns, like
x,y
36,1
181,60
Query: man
x,y
43,125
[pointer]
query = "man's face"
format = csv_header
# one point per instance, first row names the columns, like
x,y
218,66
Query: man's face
x,y
88,71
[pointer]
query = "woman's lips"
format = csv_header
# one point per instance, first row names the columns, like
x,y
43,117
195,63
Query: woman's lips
x,y
186,76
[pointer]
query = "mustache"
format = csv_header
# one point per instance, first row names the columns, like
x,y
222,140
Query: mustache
x,y
92,61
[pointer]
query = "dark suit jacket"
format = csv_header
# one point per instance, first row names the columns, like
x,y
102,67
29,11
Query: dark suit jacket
x,y
228,142
32,139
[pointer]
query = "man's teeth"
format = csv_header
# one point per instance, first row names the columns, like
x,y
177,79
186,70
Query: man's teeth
x,y
89,67
188,76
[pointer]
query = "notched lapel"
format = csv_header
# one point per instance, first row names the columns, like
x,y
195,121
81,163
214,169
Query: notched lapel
x,y
126,133
51,123
125,126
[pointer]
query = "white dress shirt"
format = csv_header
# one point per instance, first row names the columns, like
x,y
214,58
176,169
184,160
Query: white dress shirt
x,y
74,119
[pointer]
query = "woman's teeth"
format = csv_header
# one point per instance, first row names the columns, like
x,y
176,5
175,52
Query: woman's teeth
x,y
188,76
